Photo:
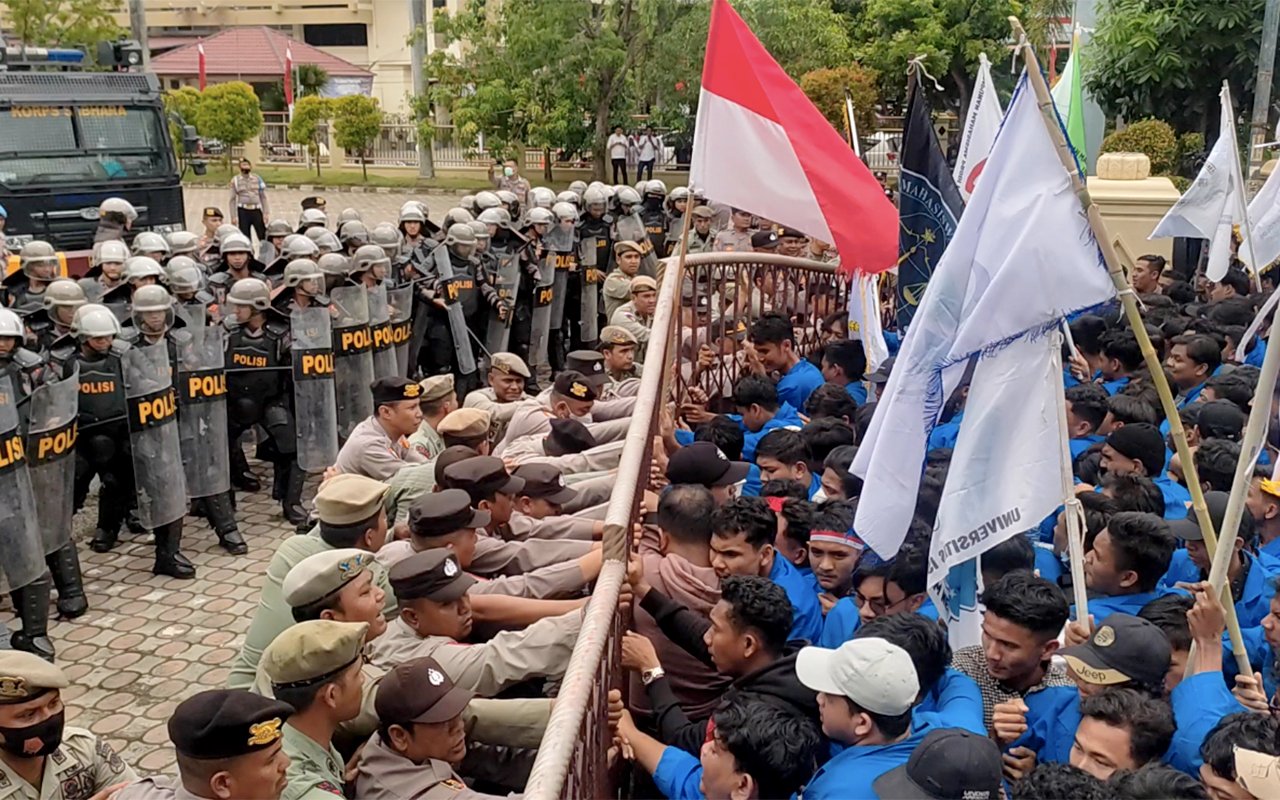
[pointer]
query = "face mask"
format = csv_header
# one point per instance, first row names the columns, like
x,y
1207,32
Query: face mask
x,y
40,739
819,496
508,171
244,170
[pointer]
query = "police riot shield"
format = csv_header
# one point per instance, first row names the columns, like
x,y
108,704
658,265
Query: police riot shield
x,y
400,306
193,315
21,549
560,255
153,435
51,447
506,280
630,227
384,354
314,406
353,357
452,286
202,417
543,297
588,252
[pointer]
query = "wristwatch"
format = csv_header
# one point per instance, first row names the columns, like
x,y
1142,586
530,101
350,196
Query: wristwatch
x,y
650,675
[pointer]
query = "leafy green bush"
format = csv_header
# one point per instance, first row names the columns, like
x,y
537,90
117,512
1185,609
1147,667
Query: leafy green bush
x,y
1151,137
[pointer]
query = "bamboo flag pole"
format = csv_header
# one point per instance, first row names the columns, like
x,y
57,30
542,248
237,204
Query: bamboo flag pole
x,y
1129,299
1073,512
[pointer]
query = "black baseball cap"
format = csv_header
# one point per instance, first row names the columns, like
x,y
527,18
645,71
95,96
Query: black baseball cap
x,y
567,436
1220,419
544,482
704,463
881,374
1123,648
1188,529
948,764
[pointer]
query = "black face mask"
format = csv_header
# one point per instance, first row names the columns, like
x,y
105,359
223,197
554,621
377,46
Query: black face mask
x,y
39,739
245,170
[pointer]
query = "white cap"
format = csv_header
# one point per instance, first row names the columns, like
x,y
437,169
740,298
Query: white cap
x,y
876,675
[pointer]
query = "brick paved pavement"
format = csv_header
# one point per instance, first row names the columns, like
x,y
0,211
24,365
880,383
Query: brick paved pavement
x,y
149,642
374,207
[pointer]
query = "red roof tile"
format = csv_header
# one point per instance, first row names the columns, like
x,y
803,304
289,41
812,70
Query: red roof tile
x,y
250,52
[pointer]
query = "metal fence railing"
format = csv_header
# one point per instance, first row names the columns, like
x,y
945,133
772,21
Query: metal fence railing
x,y
741,287
274,141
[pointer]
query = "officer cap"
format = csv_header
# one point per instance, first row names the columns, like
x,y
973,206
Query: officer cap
x,y
567,436
574,385
624,245
349,499
450,456
394,389
482,476
314,201
433,575
436,387
313,653
226,723
703,212
764,239
419,691
465,423
212,211
441,513
24,676
591,364
544,481
615,335
511,364
643,283
322,575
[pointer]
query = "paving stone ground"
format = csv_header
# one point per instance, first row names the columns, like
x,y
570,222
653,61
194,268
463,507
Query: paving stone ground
x,y
374,207
149,642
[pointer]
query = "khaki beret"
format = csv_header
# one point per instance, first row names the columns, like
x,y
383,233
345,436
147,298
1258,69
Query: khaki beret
x,y
312,652
24,676
436,387
465,423
627,245
616,335
347,499
703,212
511,364
641,283
321,575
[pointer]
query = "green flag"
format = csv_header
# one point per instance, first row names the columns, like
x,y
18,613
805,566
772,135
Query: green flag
x,y
1068,97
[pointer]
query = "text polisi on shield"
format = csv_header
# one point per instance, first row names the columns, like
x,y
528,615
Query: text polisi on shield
x,y
311,365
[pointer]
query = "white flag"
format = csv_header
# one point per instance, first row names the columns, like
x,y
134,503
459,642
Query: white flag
x,y
864,319
1264,219
1023,257
980,128
1215,200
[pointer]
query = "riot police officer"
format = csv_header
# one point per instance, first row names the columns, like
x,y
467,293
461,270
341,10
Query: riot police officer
x,y
311,218
139,271
237,263
106,269
538,284
294,246
270,248
352,234
302,287
561,246
456,298
53,320
38,265
152,245
654,214
258,391
186,283
417,244
629,225
115,216
386,236
326,241
510,201
183,243
677,202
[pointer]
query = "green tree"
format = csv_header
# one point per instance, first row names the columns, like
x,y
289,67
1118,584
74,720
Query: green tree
x,y
357,120
62,23
950,34
182,104
311,79
230,113
825,87
308,126
1168,59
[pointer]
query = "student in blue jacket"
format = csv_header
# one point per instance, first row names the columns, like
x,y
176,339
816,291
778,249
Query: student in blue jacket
x,y
1123,569
1139,448
1086,411
880,588
760,411
1121,357
773,349
844,362
742,543
757,749
866,689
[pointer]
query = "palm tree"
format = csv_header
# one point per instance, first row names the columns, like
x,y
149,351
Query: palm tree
x,y
311,79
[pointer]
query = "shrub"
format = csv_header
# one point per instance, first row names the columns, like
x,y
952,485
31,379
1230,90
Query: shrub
x,y
1151,137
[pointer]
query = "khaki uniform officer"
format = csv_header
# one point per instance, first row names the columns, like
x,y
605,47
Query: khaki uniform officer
x,y
591,364
230,743
618,346
49,761
351,514
571,396
437,400
505,392
435,614
421,712
635,323
539,512
379,446
315,667
617,286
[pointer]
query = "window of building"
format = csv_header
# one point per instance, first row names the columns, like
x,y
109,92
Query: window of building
x,y
343,34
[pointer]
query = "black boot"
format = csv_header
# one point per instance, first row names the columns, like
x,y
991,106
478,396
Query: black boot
x,y
291,503
223,521
64,565
169,560
280,479
242,477
32,605
104,539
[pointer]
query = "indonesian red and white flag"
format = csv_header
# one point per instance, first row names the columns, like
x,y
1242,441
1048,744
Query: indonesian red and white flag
x,y
288,76
762,146
200,62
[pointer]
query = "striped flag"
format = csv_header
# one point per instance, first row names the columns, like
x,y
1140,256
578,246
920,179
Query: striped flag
x,y
200,59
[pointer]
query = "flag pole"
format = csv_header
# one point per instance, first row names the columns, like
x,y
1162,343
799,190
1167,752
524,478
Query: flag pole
x,y
673,351
1129,299
1072,509
851,123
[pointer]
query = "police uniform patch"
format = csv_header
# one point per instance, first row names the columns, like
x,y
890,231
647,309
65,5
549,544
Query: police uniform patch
x,y
578,390
11,686
454,783
107,754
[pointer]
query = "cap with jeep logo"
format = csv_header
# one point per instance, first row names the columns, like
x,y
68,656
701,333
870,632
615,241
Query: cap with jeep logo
x,y
1123,648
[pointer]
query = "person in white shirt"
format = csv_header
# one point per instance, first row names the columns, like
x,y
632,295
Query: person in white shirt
x,y
648,146
618,154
